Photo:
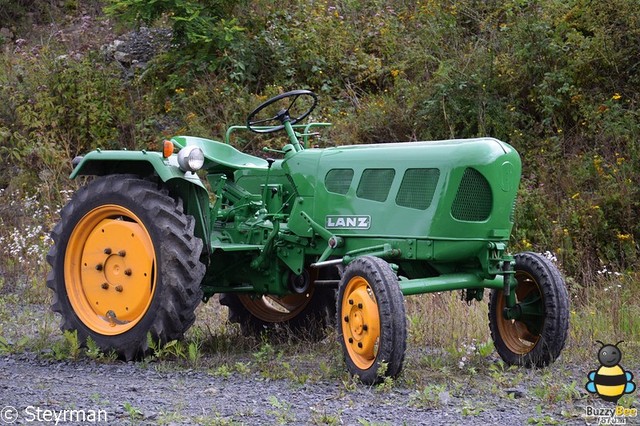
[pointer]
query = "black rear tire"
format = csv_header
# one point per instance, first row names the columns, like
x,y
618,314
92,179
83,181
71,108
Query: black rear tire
x,y
118,288
534,341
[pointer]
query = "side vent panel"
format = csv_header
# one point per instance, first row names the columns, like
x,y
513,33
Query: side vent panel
x,y
375,184
417,188
338,180
474,200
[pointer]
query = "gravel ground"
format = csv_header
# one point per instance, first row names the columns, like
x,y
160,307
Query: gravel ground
x,y
36,389
138,393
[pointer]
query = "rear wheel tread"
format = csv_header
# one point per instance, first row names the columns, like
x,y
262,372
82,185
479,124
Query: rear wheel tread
x,y
178,292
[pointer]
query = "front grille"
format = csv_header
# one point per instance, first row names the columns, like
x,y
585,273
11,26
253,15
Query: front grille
x,y
474,200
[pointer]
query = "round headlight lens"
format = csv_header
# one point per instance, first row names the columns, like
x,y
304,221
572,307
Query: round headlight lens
x,y
190,158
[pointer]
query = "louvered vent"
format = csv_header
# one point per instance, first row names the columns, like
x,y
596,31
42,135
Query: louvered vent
x,y
338,180
474,199
375,184
512,216
417,188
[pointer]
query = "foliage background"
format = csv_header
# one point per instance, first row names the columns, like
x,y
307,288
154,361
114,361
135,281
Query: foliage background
x,y
557,79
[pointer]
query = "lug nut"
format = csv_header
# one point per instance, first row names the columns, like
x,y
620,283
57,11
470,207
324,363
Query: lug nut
x,y
107,251
99,267
119,288
122,253
365,327
127,272
351,301
346,319
360,345
350,339
105,286
359,305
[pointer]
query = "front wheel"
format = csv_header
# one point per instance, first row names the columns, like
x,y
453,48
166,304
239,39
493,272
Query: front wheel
x,y
125,264
371,320
537,337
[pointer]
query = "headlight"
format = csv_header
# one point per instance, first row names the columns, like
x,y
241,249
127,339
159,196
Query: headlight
x,y
190,158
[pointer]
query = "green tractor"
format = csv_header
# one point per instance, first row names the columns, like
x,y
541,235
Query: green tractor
x,y
317,237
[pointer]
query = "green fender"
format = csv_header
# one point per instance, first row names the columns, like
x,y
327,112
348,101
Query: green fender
x,y
146,163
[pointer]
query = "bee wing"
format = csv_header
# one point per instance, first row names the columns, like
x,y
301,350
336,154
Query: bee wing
x,y
591,387
630,386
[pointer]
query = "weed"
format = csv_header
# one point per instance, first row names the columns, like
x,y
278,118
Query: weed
x,y
282,411
365,422
68,347
321,417
387,382
94,352
244,368
350,384
223,371
194,353
4,345
431,396
472,409
134,413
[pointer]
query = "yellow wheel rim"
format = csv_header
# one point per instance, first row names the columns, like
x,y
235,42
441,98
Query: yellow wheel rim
x,y
360,322
515,334
109,270
274,309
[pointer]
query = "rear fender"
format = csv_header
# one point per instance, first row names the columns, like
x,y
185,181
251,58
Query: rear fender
x,y
187,186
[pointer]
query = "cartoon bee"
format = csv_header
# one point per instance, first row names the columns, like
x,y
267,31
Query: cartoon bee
x,y
610,381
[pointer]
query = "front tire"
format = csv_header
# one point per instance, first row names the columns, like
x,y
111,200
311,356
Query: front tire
x,y
371,320
125,264
533,340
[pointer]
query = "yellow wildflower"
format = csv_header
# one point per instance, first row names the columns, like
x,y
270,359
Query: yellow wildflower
x,y
616,96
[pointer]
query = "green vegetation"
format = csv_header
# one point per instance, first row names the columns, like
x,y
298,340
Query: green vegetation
x,y
556,79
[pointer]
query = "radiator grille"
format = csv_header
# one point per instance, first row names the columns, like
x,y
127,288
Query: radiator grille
x,y
417,188
474,199
375,184
512,216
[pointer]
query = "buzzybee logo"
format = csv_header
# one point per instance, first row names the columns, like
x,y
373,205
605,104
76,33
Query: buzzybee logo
x,y
610,381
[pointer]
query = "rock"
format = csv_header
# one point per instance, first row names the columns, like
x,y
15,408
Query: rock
x,y
516,392
122,57
136,48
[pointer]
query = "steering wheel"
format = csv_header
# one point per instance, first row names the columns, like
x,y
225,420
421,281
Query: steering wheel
x,y
283,115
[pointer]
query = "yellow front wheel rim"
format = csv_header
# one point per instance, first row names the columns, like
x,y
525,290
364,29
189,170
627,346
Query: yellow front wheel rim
x,y
109,269
515,334
360,322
